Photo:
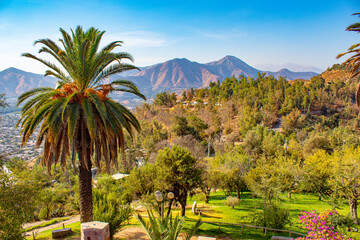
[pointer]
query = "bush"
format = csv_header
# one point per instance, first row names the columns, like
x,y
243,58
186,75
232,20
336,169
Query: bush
x,y
272,216
340,221
109,209
16,206
232,201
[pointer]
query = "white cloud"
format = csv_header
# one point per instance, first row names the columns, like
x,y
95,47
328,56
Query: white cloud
x,y
139,39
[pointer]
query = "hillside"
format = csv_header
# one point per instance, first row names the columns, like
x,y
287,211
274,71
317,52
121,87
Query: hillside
x,y
14,82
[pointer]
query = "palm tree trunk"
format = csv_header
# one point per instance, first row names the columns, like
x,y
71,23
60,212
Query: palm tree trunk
x,y
85,192
85,176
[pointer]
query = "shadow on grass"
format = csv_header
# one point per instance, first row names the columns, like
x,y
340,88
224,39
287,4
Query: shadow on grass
x,y
208,215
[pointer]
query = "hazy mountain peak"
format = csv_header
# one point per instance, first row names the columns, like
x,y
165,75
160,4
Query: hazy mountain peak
x,y
284,70
290,66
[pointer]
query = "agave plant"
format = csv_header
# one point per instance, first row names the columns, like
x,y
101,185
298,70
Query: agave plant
x,y
166,228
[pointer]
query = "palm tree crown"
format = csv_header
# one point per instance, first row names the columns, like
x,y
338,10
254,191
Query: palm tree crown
x,y
354,61
78,118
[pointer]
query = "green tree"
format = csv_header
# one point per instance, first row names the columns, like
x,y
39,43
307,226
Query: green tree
x,y
181,127
235,167
165,99
265,181
143,182
347,177
16,205
78,118
248,118
180,172
317,169
211,176
261,140
317,142
293,121
51,197
290,172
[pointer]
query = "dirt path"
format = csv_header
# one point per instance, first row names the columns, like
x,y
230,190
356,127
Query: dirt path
x,y
134,233
29,225
55,225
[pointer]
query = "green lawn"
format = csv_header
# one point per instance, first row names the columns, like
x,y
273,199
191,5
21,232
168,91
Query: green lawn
x,y
217,211
47,234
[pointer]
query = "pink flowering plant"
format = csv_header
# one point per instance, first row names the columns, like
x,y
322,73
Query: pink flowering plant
x,y
319,226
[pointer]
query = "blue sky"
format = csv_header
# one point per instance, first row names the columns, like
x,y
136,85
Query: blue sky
x,y
258,32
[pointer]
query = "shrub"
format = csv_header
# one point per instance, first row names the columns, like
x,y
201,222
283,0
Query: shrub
x,y
272,216
109,209
16,206
340,221
232,201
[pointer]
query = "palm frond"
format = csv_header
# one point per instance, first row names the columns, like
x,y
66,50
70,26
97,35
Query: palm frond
x,y
31,93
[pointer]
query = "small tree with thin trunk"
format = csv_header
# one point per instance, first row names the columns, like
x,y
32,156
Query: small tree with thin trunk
x,y
265,180
180,172
317,169
347,177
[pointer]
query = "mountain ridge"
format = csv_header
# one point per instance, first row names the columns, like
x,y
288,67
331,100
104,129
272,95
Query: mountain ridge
x,y
172,75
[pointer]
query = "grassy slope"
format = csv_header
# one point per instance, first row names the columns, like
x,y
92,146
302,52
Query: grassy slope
x,y
47,234
216,211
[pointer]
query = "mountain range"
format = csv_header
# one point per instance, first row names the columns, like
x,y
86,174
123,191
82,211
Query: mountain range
x,y
172,75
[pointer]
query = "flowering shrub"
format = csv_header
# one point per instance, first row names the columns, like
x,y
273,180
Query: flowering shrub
x,y
319,226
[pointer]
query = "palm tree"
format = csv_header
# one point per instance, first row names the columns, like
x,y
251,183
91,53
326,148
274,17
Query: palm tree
x,y
78,118
354,60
